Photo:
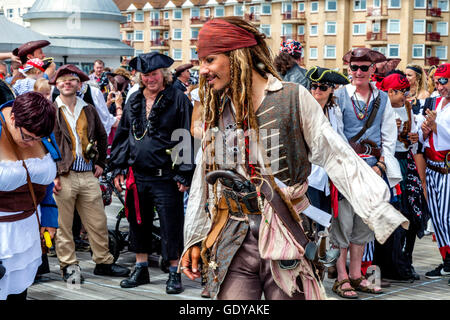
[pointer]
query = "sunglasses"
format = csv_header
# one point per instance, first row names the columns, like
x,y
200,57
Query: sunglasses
x,y
403,91
355,68
322,87
442,81
27,137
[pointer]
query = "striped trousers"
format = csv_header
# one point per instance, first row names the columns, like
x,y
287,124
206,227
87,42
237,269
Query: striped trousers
x,y
438,190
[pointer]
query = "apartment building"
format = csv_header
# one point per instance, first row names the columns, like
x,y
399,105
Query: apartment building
x,y
417,31
13,10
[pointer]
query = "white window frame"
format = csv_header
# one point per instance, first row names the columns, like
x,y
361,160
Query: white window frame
x,y
445,9
256,9
311,7
129,36
424,26
192,32
360,7
166,15
382,50
129,17
136,32
236,8
166,35
207,12
136,14
173,54
194,55
391,7
219,7
181,34
311,56
283,28
376,5
327,24
446,52
420,7
311,28
418,46
284,6
376,27
325,52
197,16
301,4
298,29
389,47
266,5
359,24
175,11
390,24
327,4
445,23
263,26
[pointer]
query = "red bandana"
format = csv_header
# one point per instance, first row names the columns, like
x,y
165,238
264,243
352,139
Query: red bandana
x,y
443,71
219,36
394,81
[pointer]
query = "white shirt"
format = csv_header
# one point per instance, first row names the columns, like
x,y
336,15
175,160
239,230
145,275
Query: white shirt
x,y
441,138
131,91
72,119
106,117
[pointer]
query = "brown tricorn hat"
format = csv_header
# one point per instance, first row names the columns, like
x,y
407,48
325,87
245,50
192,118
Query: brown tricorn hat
x,y
28,48
119,82
180,69
69,69
364,54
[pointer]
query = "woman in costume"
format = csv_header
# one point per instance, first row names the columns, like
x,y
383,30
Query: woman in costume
x,y
27,170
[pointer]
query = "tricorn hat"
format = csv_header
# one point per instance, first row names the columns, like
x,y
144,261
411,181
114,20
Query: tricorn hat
x,y
324,75
119,82
364,54
180,69
28,48
69,69
148,62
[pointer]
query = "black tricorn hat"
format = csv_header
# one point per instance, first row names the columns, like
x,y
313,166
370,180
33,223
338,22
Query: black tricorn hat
x,y
324,75
148,62
364,54
6,92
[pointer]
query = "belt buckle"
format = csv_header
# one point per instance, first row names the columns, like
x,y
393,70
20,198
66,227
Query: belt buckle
x,y
159,172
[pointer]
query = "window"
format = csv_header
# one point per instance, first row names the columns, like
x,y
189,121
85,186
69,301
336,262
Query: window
x,y
394,4
195,12
329,52
418,51
194,55
443,5
393,26
255,10
177,54
139,35
442,28
419,26
177,14
428,52
286,7
376,3
219,11
266,29
177,34
286,29
380,49
266,9
301,7
420,4
330,27
441,52
207,12
359,5
376,27
166,15
166,52
393,51
10,13
331,5
129,17
139,16
239,10
313,30
166,35
359,29
155,35
194,33
313,53
130,36
154,15
315,6
301,29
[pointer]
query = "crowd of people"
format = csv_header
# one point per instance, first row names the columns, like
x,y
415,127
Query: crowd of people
x,y
230,158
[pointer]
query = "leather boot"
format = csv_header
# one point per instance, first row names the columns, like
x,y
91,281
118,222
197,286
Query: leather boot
x,y
139,276
173,284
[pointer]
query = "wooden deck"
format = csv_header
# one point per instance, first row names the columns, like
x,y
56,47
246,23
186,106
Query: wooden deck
x,y
426,257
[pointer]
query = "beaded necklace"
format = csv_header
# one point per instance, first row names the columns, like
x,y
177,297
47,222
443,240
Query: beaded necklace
x,y
362,112
148,123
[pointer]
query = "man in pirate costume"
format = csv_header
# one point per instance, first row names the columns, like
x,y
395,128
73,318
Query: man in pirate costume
x,y
82,140
30,50
374,141
153,117
255,243
395,257
434,133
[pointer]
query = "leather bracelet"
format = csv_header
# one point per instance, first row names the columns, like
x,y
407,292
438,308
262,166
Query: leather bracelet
x,y
381,169
382,163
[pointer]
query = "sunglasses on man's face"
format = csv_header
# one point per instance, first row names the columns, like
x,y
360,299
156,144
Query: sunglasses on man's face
x,y
363,68
321,87
403,91
27,137
442,81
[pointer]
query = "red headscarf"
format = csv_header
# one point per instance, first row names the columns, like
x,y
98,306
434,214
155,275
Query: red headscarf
x,y
219,36
443,71
393,81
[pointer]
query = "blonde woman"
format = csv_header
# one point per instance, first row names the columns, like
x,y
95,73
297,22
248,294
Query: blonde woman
x,y
430,83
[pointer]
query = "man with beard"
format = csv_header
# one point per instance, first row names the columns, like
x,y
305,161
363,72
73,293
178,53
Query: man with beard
x,y
81,139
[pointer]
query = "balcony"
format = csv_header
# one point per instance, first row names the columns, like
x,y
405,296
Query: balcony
x,y
252,17
433,37
128,42
127,25
200,20
195,62
377,13
159,23
431,61
434,12
375,38
159,42
295,37
293,17
194,42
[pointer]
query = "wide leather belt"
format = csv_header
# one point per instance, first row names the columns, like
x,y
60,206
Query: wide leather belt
x,y
366,147
443,170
